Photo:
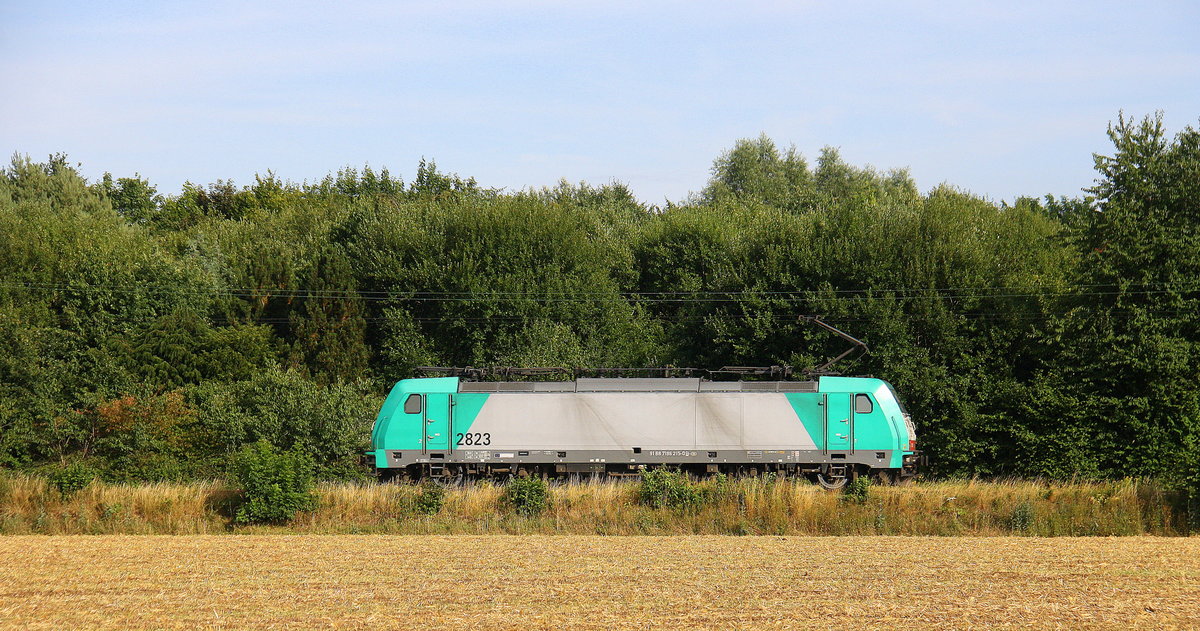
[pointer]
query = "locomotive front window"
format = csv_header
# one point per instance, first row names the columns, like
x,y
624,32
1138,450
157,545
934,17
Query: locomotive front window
x,y
863,404
412,405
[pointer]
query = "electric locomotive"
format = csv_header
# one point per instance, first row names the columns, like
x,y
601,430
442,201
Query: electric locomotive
x,y
829,428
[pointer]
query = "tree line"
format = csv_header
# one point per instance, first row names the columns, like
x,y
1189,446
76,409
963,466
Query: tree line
x,y
150,336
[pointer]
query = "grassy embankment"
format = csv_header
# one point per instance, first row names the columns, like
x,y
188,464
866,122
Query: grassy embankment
x,y
733,507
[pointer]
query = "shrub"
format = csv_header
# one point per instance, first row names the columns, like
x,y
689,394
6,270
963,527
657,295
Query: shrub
x,y
667,488
858,490
1192,494
275,485
430,499
72,479
333,423
528,496
718,488
1022,517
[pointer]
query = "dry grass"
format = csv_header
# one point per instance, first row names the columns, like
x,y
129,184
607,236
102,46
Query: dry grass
x,y
759,507
546,582
29,504
739,507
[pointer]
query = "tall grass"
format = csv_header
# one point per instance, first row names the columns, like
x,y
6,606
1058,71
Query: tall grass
x,y
749,506
29,504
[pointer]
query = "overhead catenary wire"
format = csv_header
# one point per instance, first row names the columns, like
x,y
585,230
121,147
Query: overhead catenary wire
x,y
143,286
987,317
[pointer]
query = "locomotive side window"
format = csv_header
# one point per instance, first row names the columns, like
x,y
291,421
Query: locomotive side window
x,y
862,404
412,405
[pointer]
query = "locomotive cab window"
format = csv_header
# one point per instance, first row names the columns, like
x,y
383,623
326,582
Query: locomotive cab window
x,y
863,404
412,405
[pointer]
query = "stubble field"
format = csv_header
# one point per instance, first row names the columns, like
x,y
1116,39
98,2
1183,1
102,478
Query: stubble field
x,y
589,582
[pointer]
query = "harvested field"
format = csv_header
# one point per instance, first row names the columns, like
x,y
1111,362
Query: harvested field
x,y
588,582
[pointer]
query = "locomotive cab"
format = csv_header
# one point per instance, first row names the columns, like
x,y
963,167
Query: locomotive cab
x,y
877,421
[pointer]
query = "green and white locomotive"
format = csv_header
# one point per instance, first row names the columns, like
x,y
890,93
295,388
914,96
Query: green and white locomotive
x,y
829,428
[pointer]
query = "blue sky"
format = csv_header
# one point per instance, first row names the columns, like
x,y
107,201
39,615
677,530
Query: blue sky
x,y
1001,99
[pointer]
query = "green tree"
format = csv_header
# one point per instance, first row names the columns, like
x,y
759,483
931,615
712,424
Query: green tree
x,y
755,171
181,348
477,276
133,198
328,324
1122,392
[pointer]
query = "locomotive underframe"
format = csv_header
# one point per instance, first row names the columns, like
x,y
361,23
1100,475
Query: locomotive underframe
x,y
414,464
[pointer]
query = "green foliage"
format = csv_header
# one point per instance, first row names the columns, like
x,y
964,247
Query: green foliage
x,y
154,335
755,171
718,487
134,198
528,496
1190,490
858,490
430,499
1121,376
181,348
143,437
332,423
500,280
431,183
275,484
71,479
668,488
328,325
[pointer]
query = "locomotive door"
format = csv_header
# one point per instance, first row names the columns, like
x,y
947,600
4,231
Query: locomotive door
x,y
839,425
437,422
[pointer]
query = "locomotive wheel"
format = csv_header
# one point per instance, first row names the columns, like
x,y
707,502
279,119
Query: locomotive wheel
x,y
829,482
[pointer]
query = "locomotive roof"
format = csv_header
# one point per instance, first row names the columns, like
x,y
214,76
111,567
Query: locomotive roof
x,y
635,384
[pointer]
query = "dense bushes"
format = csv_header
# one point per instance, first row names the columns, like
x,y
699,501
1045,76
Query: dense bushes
x,y
152,335
430,499
1191,494
857,490
668,488
275,485
331,423
71,479
528,496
